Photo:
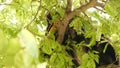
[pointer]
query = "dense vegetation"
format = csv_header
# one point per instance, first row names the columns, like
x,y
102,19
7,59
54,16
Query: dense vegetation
x,y
59,33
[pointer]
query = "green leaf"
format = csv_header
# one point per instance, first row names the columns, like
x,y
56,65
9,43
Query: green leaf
x,y
3,42
91,64
59,60
7,60
13,44
48,46
53,58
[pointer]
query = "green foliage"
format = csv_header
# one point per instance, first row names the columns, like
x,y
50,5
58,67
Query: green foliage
x,y
89,60
6,51
49,46
113,10
28,47
59,60
58,57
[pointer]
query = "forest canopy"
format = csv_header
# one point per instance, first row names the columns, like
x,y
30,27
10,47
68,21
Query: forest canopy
x,y
59,33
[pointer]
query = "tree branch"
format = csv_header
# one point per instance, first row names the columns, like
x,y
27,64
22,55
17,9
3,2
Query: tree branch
x,y
92,3
69,15
69,6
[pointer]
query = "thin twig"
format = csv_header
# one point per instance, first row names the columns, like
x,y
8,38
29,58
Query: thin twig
x,y
107,39
100,9
5,4
34,16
